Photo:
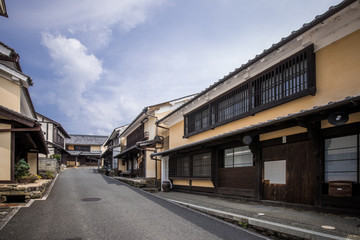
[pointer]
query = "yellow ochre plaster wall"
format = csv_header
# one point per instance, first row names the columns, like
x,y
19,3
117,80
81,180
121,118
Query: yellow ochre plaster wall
x,y
181,182
337,76
202,183
9,95
281,133
150,167
95,148
5,153
32,161
120,166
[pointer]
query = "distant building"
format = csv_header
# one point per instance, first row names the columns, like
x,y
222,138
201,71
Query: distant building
x,y
111,148
54,135
143,137
84,150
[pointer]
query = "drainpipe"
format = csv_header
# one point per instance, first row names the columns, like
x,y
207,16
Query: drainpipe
x,y
155,150
156,135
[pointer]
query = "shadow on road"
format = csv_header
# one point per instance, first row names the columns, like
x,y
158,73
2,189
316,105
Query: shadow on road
x,y
216,227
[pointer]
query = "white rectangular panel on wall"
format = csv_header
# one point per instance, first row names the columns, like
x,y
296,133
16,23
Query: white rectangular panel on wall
x,y
275,171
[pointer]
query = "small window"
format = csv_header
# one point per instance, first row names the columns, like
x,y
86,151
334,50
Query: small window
x,y
238,157
202,165
82,148
179,167
341,159
198,120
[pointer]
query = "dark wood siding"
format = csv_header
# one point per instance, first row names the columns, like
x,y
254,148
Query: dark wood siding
x,y
239,181
300,173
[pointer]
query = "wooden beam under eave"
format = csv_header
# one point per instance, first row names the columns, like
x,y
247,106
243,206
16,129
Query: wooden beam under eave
x,y
35,129
33,144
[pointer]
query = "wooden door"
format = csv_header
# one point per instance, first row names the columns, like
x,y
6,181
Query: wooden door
x,y
299,184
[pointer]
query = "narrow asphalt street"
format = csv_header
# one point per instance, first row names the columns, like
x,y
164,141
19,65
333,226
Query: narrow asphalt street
x,y
86,205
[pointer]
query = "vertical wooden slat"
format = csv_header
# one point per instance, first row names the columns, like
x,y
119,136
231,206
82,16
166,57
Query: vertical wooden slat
x,y
12,164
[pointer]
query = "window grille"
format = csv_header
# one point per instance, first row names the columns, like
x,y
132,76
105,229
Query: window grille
x,y
198,121
342,159
290,79
136,136
191,166
202,165
179,167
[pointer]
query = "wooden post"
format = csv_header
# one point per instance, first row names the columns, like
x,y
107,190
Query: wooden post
x,y
317,141
256,151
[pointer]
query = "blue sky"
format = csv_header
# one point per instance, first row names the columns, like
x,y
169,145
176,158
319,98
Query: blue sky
x,y
97,64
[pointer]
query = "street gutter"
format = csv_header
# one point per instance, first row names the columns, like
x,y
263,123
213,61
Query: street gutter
x,y
276,227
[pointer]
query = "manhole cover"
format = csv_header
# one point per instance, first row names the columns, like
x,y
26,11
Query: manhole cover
x,y
94,199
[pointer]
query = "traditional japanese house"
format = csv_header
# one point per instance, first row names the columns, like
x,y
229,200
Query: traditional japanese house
x,y
55,136
84,150
111,148
283,127
20,132
143,137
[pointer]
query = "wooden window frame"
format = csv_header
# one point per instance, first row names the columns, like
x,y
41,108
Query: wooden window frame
x,y
173,167
286,81
357,156
233,158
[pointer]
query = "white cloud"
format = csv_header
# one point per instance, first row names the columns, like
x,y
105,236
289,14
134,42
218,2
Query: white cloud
x,y
78,71
89,19
83,90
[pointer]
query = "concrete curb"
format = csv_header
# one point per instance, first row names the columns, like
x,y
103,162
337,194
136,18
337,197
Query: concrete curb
x,y
277,227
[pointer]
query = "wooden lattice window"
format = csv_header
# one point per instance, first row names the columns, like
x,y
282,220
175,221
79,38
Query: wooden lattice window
x,y
179,167
290,79
202,165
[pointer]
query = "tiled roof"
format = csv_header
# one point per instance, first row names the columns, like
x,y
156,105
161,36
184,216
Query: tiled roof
x,y
16,116
147,108
301,113
29,122
318,19
86,140
57,124
83,153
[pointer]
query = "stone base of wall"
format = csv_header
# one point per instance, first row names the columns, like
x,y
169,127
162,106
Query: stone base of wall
x,y
147,184
29,191
48,164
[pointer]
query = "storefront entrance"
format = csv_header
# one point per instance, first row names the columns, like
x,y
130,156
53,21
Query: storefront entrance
x,y
289,173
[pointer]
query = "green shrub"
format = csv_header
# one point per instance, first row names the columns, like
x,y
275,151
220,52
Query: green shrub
x,y
56,156
22,169
49,175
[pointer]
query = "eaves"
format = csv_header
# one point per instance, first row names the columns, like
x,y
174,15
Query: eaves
x,y
295,116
